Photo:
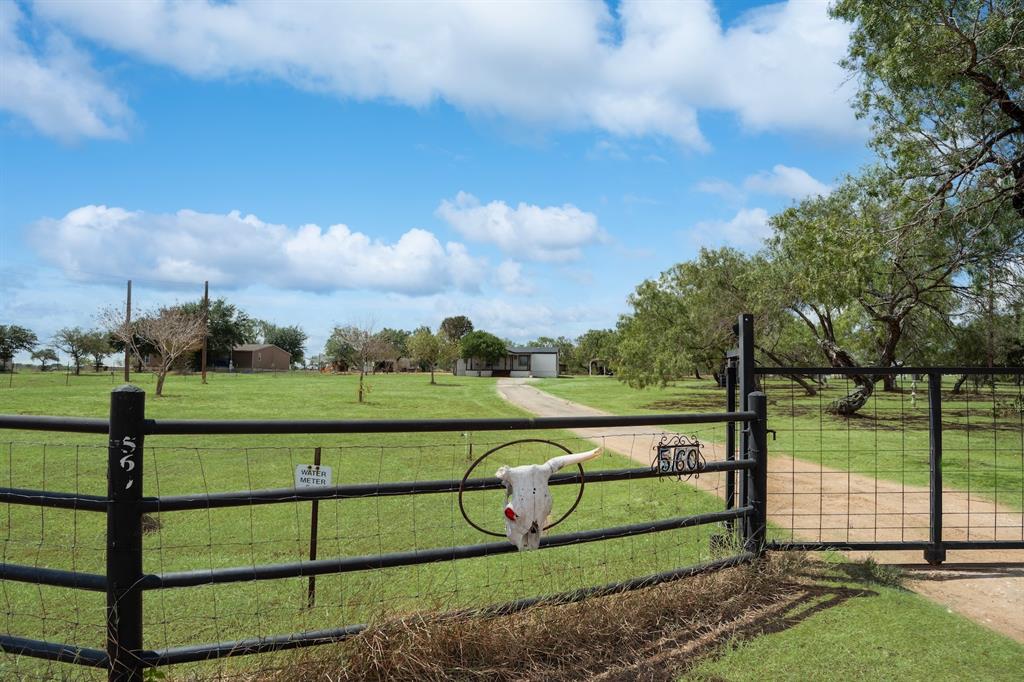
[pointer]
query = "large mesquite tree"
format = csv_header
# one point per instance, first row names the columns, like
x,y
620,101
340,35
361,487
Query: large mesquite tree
x,y
942,82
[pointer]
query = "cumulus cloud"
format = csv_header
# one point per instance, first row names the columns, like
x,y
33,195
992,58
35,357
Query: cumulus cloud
x,y
785,181
54,88
646,71
551,233
746,230
509,276
238,250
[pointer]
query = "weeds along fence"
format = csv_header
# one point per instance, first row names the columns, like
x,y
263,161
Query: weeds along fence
x,y
112,561
933,461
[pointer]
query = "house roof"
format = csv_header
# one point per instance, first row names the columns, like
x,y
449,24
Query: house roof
x,y
256,346
532,349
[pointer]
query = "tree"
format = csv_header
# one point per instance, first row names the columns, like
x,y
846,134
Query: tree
x,y
292,339
173,332
943,84
394,344
482,345
13,340
44,355
597,345
454,328
228,326
73,342
836,255
96,344
425,347
356,345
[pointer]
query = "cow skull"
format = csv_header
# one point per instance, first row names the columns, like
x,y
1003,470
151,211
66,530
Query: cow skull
x,y
528,499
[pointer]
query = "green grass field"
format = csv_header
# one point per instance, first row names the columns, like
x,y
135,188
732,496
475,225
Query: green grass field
x,y
280,533
983,433
858,629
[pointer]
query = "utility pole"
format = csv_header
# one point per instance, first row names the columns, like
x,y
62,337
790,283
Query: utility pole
x,y
206,324
128,324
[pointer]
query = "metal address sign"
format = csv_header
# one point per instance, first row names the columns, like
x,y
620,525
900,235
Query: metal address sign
x,y
679,455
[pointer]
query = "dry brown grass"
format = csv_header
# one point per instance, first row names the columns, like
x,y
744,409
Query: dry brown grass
x,y
643,634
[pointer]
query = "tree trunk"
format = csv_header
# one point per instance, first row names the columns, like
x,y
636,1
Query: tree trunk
x,y
361,373
959,383
696,373
865,385
160,381
432,374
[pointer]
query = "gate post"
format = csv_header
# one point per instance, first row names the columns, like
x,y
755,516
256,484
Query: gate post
x,y
745,375
124,533
730,437
935,554
756,479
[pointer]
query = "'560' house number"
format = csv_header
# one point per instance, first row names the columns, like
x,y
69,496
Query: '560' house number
x,y
679,455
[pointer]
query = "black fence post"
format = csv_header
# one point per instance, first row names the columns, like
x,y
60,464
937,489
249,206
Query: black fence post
x,y
124,533
745,376
756,479
935,554
730,436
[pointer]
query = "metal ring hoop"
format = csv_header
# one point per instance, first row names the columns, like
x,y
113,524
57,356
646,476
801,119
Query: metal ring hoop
x,y
481,458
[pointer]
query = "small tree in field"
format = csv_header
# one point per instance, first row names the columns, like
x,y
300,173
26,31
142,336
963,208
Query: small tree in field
x,y
44,355
482,345
356,345
12,340
172,332
425,347
97,346
72,341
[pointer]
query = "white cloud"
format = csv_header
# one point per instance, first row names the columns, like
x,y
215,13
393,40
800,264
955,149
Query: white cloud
x,y
551,233
567,65
785,181
56,89
721,188
509,276
745,230
237,251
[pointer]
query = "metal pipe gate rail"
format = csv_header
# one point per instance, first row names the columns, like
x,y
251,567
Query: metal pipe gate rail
x,y
124,583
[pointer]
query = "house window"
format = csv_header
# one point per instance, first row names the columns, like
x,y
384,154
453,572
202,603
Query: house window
x,y
522,362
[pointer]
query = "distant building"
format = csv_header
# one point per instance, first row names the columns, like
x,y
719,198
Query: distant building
x,y
518,362
257,357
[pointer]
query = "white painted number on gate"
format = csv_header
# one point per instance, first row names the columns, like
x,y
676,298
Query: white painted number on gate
x,y
312,476
127,463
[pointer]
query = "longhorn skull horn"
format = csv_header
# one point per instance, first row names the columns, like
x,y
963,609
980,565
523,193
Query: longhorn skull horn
x,y
556,463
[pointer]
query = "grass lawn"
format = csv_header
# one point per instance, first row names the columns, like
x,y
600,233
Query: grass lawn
x,y
863,630
280,533
983,433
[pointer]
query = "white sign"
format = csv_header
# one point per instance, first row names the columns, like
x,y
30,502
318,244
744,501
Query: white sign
x,y
312,476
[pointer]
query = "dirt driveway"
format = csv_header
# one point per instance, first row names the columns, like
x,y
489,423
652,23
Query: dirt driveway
x,y
820,503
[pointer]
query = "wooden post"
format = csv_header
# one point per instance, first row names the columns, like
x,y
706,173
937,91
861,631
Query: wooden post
x,y
128,324
206,324
314,522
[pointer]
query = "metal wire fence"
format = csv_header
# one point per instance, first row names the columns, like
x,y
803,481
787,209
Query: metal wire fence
x,y
870,478
226,561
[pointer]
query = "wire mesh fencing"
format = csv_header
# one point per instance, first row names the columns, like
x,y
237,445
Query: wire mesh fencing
x,y
868,477
632,521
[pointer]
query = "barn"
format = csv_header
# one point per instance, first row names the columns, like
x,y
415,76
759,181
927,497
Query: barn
x,y
260,357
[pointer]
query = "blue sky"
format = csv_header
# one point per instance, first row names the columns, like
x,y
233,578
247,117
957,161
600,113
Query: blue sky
x,y
525,165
